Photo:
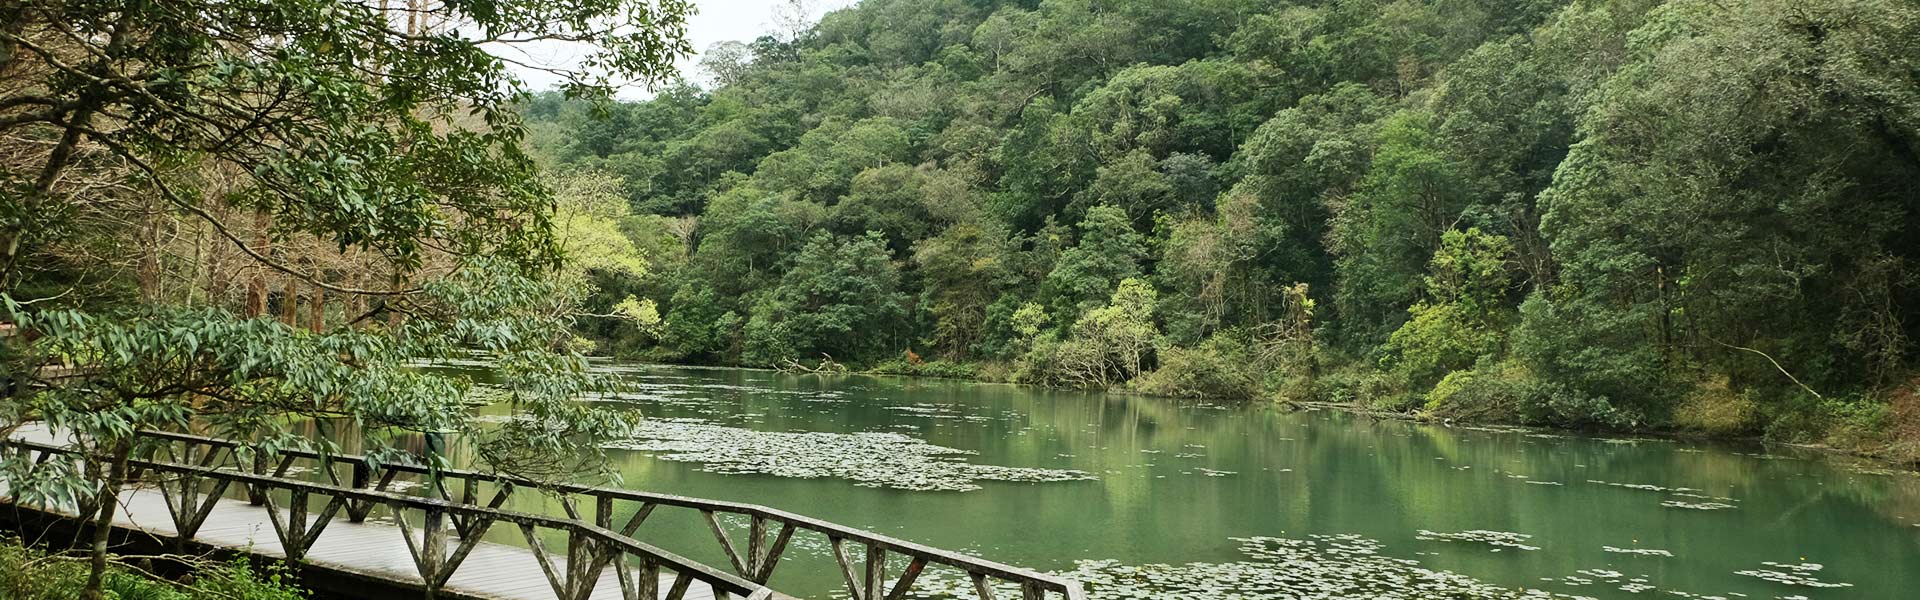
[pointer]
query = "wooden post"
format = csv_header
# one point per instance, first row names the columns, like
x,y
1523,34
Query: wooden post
x,y
257,495
876,583
1031,591
357,511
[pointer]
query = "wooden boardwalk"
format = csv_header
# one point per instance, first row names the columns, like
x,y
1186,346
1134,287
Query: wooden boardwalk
x,y
371,548
197,492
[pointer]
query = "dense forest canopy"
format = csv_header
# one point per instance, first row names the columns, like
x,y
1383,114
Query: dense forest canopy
x,y
1616,213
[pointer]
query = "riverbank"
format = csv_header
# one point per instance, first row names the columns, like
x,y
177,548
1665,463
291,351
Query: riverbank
x,y
1884,429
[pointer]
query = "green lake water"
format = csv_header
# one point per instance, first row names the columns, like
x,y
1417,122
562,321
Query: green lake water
x,y
1153,498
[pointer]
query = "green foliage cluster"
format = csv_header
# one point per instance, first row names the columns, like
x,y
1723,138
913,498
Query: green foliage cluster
x,y
364,158
30,574
1577,212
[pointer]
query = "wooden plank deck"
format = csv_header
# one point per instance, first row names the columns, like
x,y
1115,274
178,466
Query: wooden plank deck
x,y
373,549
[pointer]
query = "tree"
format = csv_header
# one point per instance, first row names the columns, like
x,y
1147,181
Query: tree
x,y
339,125
891,200
588,218
1108,251
1730,194
822,166
726,63
840,299
1464,316
1131,184
1108,345
963,270
1413,193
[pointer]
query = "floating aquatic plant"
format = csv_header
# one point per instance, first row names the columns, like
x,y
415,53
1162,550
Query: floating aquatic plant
x,y
1638,551
1645,487
1696,505
1319,567
1497,539
874,459
1800,574
1631,585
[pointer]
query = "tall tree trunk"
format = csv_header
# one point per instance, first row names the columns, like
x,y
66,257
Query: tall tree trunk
x,y
216,284
104,505
355,306
150,258
393,316
290,303
317,317
257,285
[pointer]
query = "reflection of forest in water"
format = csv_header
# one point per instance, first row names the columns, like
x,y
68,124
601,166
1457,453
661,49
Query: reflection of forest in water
x,y
1178,482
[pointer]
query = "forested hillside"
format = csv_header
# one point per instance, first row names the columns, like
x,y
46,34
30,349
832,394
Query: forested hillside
x,y
1598,213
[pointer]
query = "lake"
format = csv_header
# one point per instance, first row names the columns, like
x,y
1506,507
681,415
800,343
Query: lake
x,y
1154,498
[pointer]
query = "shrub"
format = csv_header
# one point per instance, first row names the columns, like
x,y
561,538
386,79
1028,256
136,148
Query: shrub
x,y
995,371
1905,425
1214,369
1488,392
1562,406
1363,387
933,368
240,580
1857,423
1716,408
1795,419
1439,339
1109,345
29,574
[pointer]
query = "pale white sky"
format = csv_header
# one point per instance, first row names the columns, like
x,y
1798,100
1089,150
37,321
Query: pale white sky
x,y
717,21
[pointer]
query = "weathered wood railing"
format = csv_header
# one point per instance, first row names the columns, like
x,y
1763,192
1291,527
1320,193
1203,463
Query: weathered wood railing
x,y
768,533
192,485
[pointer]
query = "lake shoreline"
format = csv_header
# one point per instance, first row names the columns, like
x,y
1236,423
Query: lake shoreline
x,y
1660,433
1677,435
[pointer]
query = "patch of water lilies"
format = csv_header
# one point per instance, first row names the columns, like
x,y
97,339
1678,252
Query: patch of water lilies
x,y
937,411
1319,567
1496,539
1637,551
1631,585
1645,487
1800,574
1679,497
874,459
1696,505
1885,472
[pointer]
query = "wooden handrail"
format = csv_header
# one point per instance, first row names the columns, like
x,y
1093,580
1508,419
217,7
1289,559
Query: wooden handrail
x,y
757,566
600,547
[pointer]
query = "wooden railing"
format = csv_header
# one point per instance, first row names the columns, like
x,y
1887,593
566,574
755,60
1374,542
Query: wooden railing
x,y
861,556
192,487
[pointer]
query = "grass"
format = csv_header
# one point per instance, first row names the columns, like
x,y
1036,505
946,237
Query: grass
x,y
28,573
